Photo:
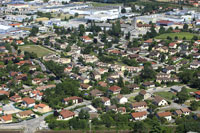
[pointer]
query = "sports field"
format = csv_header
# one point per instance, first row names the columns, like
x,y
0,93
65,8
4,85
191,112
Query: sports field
x,y
180,35
39,50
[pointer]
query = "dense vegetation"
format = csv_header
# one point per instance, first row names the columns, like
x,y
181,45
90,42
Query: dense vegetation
x,y
65,89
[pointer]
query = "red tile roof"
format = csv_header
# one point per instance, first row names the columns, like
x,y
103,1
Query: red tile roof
x,y
164,114
41,105
28,100
72,98
138,114
86,38
114,88
2,92
66,113
197,92
7,117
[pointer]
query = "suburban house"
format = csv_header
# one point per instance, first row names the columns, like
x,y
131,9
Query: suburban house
x,y
25,114
176,89
148,84
73,99
96,93
121,110
102,84
105,101
28,102
197,94
42,108
114,89
121,99
96,75
166,115
66,115
6,118
139,106
159,101
139,115
36,94
15,98
86,39
145,94
172,45
111,108
183,111
133,87
85,87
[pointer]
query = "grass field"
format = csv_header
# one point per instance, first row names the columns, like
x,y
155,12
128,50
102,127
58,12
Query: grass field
x,y
180,35
166,95
39,50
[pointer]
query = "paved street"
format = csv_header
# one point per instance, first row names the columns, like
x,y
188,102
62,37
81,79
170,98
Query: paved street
x,y
41,65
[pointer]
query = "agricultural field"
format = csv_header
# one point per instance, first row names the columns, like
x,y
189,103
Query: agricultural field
x,y
180,35
39,50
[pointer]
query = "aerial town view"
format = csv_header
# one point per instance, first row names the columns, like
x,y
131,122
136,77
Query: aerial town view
x,y
99,66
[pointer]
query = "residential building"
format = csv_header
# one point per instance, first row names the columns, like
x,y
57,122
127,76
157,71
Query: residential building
x,y
139,106
28,102
166,115
42,108
159,101
66,115
114,89
73,99
139,115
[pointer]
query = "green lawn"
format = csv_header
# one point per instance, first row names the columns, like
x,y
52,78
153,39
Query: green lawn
x,y
191,90
180,35
166,95
39,50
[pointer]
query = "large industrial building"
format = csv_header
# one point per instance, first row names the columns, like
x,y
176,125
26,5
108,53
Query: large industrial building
x,y
62,8
4,29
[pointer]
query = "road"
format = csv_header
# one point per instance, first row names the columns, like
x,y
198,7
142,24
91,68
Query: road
x,y
30,126
44,69
13,50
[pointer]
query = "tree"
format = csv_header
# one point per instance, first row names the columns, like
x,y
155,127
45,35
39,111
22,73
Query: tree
x,y
97,103
148,72
95,41
128,36
81,29
120,82
195,38
161,30
139,98
185,27
83,114
34,31
194,105
140,127
123,10
182,95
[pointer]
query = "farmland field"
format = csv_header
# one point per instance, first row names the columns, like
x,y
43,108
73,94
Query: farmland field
x,y
39,50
